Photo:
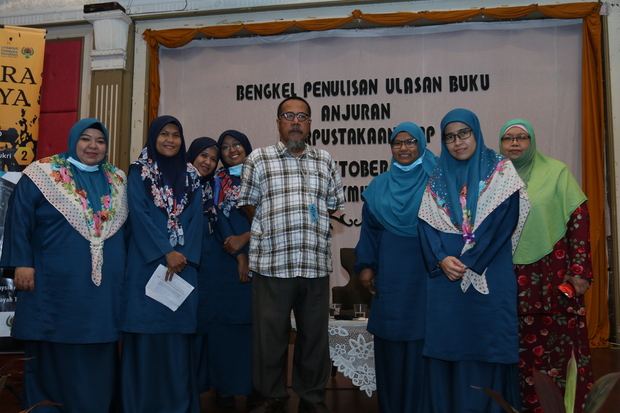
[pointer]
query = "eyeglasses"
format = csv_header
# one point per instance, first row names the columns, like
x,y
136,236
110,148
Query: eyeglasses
x,y
519,138
462,134
302,117
235,145
409,143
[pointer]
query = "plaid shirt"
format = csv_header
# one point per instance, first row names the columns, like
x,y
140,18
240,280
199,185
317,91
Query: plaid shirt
x,y
287,240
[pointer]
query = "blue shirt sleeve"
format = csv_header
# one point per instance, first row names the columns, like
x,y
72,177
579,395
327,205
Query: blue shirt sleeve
x,y
432,248
367,249
193,230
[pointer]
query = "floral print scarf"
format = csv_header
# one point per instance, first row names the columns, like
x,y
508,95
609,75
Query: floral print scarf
x,y
163,195
54,178
461,193
499,186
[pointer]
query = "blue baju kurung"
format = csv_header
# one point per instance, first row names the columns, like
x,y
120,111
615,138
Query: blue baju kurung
x,y
67,316
228,309
397,316
158,361
472,338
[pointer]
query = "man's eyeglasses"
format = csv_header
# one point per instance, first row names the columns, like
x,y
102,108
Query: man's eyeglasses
x,y
462,135
409,143
518,138
302,117
235,145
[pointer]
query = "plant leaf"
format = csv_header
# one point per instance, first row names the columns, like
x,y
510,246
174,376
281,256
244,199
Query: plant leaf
x,y
599,392
548,393
499,399
11,362
2,381
45,403
571,384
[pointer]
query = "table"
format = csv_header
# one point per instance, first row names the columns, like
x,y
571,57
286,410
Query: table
x,y
352,351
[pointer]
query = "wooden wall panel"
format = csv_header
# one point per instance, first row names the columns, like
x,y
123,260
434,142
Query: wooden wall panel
x,y
60,95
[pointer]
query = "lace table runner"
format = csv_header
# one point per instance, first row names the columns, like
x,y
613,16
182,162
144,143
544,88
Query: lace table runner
x,y
352,351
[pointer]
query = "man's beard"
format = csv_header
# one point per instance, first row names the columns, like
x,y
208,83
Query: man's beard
x,y
295,146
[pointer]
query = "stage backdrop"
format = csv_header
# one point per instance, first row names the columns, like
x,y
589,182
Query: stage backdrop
x,y
361,84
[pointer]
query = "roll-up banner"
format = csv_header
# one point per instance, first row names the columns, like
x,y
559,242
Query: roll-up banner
x,y
21,67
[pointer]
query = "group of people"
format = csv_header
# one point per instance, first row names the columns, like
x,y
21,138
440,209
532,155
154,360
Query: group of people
x,y
465,273
466,254
84,241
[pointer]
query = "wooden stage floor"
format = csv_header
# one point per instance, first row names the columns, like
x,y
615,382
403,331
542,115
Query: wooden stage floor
x,y
342,396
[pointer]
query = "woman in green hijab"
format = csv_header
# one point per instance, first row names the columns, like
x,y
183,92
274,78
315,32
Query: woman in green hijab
x,y
554,249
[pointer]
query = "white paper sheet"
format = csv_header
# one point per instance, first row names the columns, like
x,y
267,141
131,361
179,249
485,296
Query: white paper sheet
x,y
169,293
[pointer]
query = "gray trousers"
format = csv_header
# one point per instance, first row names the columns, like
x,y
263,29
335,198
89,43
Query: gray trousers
x,y
272,302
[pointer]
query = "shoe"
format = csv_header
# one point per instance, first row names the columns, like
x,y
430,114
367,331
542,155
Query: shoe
x,y
224,401
307,407
269,406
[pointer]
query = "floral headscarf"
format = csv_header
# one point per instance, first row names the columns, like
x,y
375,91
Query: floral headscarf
x,y
461,194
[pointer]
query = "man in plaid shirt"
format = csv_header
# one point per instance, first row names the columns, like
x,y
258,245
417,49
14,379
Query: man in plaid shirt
x,y
288,191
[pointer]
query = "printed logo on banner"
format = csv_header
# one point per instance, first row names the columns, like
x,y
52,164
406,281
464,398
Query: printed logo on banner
x,y
6,324
28,52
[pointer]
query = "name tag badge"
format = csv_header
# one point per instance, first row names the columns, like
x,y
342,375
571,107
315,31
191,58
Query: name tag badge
x,y
314,215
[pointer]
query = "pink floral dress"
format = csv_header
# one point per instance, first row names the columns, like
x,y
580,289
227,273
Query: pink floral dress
x,y
551,325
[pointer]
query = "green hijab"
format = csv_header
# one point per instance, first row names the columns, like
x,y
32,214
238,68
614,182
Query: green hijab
x,y
554,194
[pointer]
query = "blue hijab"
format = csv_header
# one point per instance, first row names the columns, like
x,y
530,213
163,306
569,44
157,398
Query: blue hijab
x,y
197,146
394,197
243,140
224,197
194,150
91,179
173,169
451,175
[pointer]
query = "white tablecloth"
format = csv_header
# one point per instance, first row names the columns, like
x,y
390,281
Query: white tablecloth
x,y
352,351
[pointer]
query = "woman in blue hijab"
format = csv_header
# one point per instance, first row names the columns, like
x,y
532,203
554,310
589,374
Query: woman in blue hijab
x,y
65,238
158,364
471,216
229,301
390,264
